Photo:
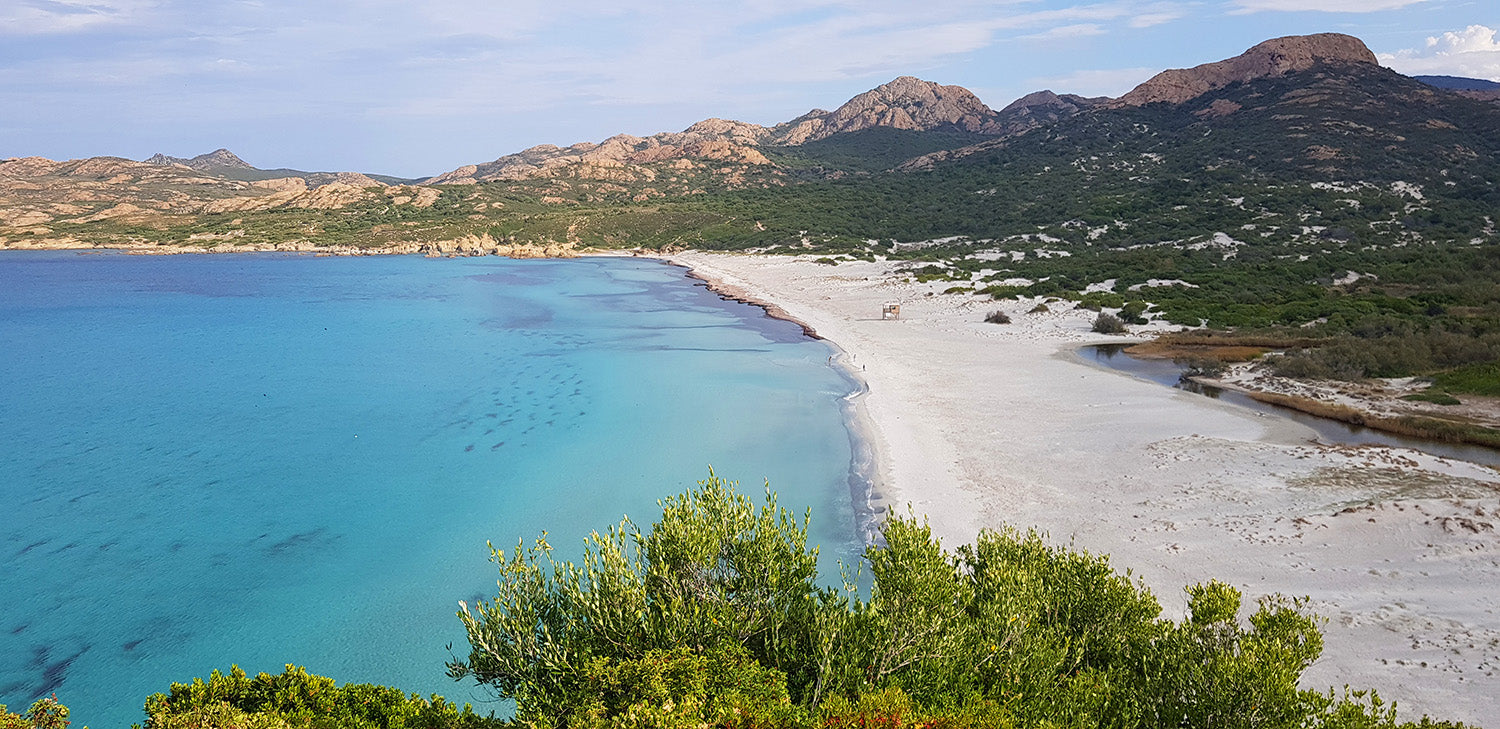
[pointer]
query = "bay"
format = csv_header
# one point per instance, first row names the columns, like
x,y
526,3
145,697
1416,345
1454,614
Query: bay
x,y
267,459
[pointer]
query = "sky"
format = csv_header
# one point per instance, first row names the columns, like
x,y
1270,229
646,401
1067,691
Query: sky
x,y
415,88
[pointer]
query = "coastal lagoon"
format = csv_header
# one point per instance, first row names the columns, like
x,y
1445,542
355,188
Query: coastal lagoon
x,y
1169,373
268,459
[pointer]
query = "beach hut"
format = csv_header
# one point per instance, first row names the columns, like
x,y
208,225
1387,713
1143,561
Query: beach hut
x,y
891,310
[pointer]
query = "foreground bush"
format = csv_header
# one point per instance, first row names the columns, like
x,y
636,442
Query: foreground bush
x,y
295,698
44,713
713,616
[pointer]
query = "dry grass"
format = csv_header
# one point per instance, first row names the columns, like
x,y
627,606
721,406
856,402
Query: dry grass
x,y
1163,349
1262,341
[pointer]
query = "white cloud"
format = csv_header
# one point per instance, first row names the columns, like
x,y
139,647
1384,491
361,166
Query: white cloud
x,y
1473,39
1472,52
1147,20
46,17
569,68
1320,6
1063,32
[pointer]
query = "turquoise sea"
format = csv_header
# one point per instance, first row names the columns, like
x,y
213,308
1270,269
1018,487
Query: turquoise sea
x,y
267,459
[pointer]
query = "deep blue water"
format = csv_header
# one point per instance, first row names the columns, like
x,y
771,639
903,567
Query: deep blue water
x,y
267,459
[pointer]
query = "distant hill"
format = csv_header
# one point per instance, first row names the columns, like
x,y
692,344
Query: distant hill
x,y
1459,83
218,160
224,163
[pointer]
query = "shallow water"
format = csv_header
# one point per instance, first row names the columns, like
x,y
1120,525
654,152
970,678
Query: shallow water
x,y
273,459
1169,373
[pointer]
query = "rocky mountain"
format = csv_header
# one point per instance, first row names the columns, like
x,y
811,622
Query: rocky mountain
x,y
619,157
216,161
1271,59
1275,57
905,104
1041,108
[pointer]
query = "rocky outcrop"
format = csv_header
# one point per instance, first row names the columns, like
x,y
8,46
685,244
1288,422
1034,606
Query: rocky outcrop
x,y
905,103
1275,57
617,158
353,179
333,196
421,197
487,245
282,184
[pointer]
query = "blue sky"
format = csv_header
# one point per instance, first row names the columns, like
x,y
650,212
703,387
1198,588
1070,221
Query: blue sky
x,y
418,87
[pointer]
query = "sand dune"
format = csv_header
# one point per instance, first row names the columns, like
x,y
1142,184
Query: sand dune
x,y
980,425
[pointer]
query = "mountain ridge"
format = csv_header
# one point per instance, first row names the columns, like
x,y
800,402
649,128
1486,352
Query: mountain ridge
x,y
1288,110
906,103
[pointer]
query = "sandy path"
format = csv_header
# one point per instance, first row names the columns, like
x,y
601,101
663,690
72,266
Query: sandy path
x,y
979,425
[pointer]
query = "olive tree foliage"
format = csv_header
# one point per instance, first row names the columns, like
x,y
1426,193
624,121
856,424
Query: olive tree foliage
x,y
1007,631
715,571
45,713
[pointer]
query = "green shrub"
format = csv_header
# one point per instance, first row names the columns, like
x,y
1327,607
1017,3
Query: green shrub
x,y
714,572
1479,379
1008,631
45,713
1366,710
685,688
1107,323
296,698
1433,395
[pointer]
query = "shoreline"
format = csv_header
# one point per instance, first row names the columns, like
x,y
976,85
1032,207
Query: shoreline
x,y
977,425
863,480
726,292
468,246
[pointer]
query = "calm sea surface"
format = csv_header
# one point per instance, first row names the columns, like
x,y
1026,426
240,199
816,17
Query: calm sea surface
x,y
266,459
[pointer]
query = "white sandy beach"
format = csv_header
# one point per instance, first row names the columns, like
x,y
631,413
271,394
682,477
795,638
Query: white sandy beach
x,y
980,425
